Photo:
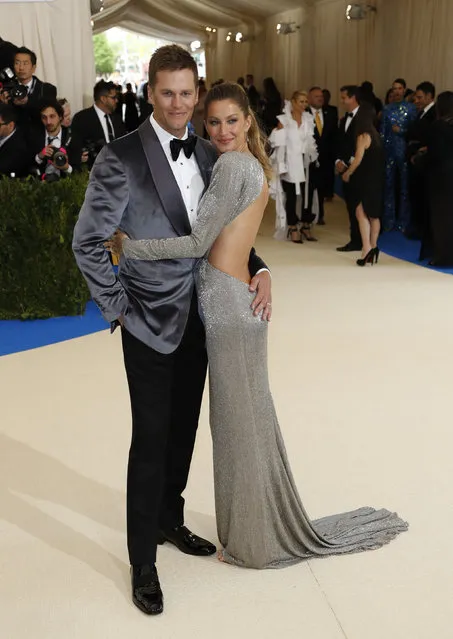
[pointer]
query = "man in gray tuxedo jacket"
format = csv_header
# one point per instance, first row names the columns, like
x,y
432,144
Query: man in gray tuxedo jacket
x,y
149,184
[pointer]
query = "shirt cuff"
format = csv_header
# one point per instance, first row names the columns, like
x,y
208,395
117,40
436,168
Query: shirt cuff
x,y
38,159
263,270
68,170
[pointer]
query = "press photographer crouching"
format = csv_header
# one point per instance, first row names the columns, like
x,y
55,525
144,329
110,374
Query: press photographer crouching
x,y
15,155
22,89
51,144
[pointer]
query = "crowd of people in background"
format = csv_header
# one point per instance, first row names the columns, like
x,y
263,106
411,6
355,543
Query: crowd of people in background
x,y
394,159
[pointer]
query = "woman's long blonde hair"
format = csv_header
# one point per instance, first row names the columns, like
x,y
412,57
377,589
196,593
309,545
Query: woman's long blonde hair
x,y
256,139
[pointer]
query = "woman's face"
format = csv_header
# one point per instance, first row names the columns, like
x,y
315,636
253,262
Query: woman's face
x,y
300,104
227,126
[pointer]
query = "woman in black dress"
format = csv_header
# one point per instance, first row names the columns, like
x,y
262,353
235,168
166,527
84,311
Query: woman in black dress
x,y
438,242
131,117
366,175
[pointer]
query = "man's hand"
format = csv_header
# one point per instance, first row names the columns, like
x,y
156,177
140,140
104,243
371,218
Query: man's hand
x,y
340,167
396,129
261,285
4,97
47,152
346,176
21,101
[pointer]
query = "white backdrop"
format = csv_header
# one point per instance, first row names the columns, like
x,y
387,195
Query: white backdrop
x,y
59,32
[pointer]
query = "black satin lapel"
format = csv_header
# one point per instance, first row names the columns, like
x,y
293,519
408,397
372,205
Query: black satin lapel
x,y
204,163
164,180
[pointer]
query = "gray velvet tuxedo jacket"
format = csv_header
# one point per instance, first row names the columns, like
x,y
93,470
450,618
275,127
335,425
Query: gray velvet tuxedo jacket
x,y
132,187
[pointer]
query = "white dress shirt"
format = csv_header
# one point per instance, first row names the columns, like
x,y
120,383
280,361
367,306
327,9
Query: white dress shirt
x,y
426,109
349,120
186,171
4,140
101,115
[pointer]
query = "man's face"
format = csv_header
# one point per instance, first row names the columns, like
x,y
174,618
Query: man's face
x,y
316,98
109,101
174,97
23,67
421,100
398,92
250,80
350,103
6,128
51,121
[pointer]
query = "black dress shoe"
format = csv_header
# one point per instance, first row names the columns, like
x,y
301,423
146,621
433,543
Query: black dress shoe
x,y
187,542
321,223
348,248
146,592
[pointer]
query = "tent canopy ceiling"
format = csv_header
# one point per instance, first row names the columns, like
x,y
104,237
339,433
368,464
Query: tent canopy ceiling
x,y
185,20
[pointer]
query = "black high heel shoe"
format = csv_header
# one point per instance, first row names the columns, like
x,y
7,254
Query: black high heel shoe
x,y
308,236
376,254
368,259
291,230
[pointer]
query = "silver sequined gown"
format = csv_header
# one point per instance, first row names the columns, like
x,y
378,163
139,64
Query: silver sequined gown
x,y
261,520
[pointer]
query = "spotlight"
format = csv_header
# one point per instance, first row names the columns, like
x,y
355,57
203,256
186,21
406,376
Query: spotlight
x,y
238,37
196,44
229,36
285,28
358,11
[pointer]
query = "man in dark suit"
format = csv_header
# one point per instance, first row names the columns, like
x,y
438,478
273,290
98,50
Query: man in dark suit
x,y
7,53
417,141
25,62
252,93
326,129
49,136
98,125
350,97
149,183
15,155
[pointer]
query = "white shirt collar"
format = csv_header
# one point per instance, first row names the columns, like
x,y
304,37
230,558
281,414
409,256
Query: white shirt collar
x,y
164,136
4,140
55,137
354,113
100,112
427,108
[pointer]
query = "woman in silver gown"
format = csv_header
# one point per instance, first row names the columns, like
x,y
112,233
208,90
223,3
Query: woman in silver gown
x,y
261,520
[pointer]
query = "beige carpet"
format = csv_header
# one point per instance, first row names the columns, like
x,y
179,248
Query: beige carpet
x,y
360,364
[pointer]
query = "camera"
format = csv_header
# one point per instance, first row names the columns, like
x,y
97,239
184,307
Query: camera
x,y
59,158
11,85
93,148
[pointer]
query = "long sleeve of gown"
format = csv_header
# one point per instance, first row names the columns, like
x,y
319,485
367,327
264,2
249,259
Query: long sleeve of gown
x,y
237,181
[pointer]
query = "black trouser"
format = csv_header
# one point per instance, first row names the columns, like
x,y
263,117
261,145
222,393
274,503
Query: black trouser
x,y
354,231
307,216
166,393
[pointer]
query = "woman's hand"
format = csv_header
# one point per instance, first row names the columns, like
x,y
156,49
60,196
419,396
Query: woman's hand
x,y
115,244
346,176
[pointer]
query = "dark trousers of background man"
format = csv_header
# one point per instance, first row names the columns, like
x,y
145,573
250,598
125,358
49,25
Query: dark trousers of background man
x,y
166,393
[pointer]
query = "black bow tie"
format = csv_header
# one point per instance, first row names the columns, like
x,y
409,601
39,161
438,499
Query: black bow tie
x,y
349,115
188,145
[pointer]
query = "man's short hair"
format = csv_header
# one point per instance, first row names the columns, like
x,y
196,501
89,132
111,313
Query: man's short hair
x,y
25,51
315,89
103,88
52,104
8,113
352,90
368,86
171,57
400,81
427,87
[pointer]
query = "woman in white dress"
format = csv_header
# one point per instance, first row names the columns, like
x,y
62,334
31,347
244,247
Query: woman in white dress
x,y
295,149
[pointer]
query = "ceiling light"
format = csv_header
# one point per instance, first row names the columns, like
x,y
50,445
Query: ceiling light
x,y
238,37
284,28
196,44
358,11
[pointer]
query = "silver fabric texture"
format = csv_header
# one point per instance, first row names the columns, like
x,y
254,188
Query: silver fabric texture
x,y
261,520
237,181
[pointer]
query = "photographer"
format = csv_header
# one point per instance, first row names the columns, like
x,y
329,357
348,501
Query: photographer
x,y
94,127
51,144
15,155
28,106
